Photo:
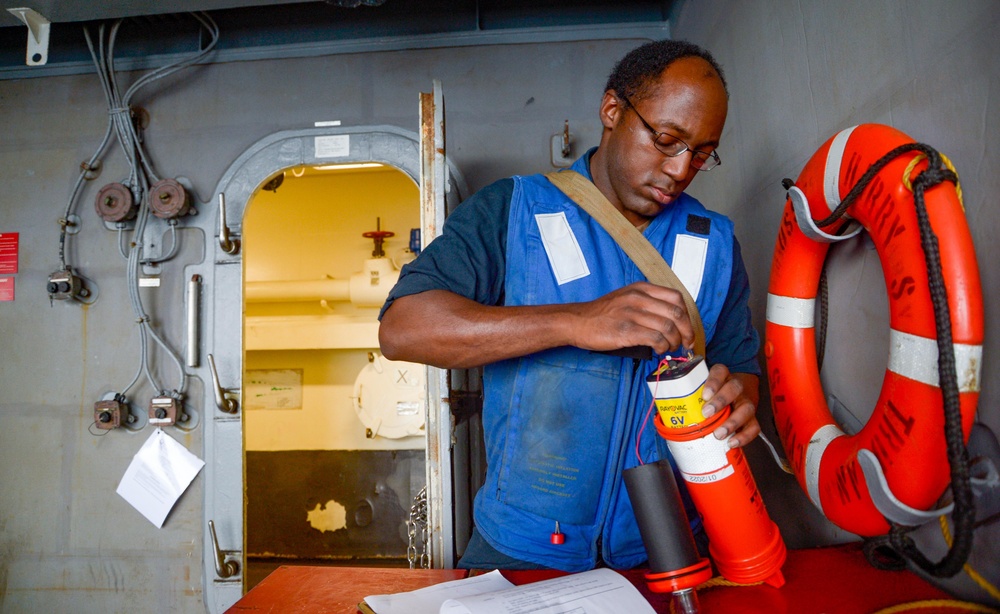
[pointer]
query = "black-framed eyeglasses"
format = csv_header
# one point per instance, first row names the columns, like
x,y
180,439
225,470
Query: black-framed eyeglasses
x,y
672,146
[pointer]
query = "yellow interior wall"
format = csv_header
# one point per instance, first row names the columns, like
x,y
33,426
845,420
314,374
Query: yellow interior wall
x,y
310,228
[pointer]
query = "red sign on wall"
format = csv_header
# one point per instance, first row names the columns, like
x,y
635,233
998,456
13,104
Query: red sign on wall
x,y
6,289
8,254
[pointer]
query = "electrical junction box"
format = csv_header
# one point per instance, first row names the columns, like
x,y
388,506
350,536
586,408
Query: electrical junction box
x,y
110,414
64,285
163,411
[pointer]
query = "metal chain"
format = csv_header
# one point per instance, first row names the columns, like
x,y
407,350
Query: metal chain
x,y
418,518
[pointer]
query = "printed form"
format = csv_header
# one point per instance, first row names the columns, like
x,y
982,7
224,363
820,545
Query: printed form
x,y
599,591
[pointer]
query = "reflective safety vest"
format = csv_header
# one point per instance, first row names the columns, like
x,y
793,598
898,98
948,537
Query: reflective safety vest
x,y
561,425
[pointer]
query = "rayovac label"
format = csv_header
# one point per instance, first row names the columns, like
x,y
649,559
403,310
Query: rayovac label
x,y
682,411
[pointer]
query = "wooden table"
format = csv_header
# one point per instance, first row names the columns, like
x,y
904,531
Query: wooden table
x,y
834,580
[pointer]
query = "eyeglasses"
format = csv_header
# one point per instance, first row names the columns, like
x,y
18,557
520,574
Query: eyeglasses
x,y
671,146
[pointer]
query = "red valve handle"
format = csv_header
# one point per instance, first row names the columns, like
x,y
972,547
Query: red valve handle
x,y
379,236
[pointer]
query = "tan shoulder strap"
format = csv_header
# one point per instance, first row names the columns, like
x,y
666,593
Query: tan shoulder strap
x,y
584,193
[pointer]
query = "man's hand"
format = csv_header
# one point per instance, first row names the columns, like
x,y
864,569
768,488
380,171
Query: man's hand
x,y
446,330
742,391
638,314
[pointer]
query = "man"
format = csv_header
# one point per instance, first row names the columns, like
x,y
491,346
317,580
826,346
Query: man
x,y
525,282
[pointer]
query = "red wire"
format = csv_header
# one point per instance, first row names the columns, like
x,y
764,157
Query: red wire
x,y
648,411
645,420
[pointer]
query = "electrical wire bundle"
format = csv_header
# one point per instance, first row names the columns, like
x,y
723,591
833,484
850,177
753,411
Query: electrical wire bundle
x,y
142,175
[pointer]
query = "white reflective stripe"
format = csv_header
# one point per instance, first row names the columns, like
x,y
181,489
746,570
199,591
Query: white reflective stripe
x,y
916,358
700,456
814,455
565,256
791,312
688,263
831,175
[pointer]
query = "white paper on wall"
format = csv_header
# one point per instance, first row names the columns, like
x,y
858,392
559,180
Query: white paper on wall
x,y
158,475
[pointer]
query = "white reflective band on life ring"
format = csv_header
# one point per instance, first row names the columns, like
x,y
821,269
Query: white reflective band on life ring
x,y
916,358
791,312
700,456
831,174
814,455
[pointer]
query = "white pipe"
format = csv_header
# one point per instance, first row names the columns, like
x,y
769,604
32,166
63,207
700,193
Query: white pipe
x,y
298,290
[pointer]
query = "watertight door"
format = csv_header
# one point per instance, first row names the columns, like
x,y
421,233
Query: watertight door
x,y
420,157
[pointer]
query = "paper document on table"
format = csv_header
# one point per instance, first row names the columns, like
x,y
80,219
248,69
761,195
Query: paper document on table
x,y
428,600
599,591
159,473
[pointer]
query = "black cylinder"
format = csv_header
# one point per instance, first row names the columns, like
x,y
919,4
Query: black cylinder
x,y
659,511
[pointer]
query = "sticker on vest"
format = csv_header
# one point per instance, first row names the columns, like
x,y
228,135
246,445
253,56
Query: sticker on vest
x,y
565,256
690,254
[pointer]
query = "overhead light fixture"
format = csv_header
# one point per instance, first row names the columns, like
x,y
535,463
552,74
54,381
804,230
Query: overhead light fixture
x,y
345,167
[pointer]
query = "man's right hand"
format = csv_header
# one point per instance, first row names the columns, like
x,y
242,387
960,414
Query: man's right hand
x,y
638,314
446,330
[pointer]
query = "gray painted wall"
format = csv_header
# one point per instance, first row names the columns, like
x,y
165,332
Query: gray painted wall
x,y
798,72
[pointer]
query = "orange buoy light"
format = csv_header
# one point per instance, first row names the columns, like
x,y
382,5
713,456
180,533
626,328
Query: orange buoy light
x,y
744,542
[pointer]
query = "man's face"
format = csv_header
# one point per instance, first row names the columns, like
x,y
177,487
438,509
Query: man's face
x,y
687,101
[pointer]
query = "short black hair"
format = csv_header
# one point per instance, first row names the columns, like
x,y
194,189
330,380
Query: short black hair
x,y
645,63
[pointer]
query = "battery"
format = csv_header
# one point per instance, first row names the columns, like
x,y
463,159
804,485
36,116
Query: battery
x,y
677,386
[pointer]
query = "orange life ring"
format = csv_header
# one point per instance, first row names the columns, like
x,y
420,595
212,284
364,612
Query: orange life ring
x,y
896,466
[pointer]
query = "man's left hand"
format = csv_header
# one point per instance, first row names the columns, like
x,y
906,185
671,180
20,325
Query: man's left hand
x,y
742,392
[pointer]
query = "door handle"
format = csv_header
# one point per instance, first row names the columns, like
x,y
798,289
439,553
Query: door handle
x,y
230,246
223,568
226,404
